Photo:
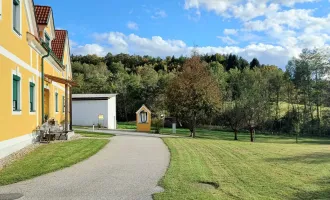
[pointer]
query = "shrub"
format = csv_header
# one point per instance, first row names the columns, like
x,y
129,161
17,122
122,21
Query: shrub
x,y
157,124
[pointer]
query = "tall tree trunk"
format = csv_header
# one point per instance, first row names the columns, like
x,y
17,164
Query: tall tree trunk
x,y
193,133
251,133
235,131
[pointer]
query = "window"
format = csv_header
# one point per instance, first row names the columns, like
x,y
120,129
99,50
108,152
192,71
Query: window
x,y
143,117
47,39
32,108
56,102
63,103
16,93
16,16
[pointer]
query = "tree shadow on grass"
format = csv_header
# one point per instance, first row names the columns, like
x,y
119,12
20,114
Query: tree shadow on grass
x,y
245,137
312,158
321,194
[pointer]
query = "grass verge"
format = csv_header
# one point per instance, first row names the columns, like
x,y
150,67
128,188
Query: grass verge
x,y
126,125
243,170
94,134
49,158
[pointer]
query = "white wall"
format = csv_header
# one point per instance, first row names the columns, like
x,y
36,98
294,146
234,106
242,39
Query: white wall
x,y
10,146
86,112
112,118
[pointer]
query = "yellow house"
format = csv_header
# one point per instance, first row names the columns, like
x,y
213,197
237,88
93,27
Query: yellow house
x,y
35,73
143,119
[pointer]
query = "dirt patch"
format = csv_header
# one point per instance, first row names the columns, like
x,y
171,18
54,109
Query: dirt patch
x,y
209,184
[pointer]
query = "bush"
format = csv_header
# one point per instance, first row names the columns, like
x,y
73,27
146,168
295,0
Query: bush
x,y
157,124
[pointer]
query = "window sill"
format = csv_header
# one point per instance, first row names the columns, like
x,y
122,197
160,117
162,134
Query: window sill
x,y
17,112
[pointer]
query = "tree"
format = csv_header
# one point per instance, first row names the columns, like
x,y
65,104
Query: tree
x,y
308,72
253,95
193,93
254,63
232,62
234,114
235,117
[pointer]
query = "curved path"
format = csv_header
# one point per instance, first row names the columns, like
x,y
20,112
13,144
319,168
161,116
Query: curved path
x,y
129,167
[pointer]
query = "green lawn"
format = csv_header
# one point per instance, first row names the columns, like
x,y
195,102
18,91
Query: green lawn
x,y
94,134
126,125
49,158
271,168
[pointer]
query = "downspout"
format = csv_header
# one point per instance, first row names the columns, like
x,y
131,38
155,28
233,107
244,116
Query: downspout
x,y
43,85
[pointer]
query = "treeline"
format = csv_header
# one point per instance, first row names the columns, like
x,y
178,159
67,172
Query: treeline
x,y
249,95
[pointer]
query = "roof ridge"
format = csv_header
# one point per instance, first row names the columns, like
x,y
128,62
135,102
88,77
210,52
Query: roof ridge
x,y
42,6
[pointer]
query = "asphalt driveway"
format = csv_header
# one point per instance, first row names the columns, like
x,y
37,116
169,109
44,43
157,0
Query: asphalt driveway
x,y
129,167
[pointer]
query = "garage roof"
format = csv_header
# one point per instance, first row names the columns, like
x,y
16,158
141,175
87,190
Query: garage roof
x,y
92,96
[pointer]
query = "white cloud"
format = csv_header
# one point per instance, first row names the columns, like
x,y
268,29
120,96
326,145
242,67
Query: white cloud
x,y
159,14
242,9
227,40
132,25
116,42
90,49
230,32
251,11
277,23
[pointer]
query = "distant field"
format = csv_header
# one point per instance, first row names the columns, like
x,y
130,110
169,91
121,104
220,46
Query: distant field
x,y
271,168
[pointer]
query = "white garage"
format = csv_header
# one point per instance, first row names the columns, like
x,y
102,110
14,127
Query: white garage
x,y
94,109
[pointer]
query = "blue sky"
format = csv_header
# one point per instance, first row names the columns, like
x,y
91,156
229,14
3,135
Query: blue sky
x,y
271,30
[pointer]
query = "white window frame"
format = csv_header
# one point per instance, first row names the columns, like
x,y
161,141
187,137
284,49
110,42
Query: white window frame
x,y
56,92
20,19
19,95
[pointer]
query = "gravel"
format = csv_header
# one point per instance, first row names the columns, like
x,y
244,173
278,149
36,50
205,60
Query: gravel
x,y
17,155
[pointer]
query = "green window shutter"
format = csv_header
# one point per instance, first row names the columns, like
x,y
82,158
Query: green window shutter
x,y
32,97
15,94
16,78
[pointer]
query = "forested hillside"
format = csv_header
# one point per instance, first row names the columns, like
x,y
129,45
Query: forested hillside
x,y
251,95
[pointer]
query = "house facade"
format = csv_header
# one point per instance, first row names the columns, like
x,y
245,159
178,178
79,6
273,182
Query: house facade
x,y
35,73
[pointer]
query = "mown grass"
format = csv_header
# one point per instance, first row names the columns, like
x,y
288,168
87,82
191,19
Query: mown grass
x,y
271,168
126,125
49,158
245,137
94,134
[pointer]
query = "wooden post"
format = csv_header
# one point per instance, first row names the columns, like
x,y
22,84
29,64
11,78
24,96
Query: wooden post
x,y
66,108
70,100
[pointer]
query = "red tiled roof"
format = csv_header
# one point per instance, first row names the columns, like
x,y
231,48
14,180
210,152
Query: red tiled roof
x,y
42,14
58,43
